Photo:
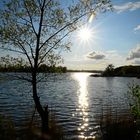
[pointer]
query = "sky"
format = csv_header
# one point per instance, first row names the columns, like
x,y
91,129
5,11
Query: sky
x,y
115,39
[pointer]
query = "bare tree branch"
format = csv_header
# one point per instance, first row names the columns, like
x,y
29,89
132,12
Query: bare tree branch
x,y
23,78
38,34
25,20
30,17
53,47
8,49
47,3
31,50
39,3
67,25
25,52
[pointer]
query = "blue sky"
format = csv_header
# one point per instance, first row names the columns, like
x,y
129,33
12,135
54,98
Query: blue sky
x,y
116,39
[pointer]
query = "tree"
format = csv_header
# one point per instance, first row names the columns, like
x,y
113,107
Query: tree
x,y
109,71
38,31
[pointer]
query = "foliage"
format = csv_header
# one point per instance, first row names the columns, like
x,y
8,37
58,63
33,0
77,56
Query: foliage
x,y
134,91
134,97
11,64
127,71
109,71
52,69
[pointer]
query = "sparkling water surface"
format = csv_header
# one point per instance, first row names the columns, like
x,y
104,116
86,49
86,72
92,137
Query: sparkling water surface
x,y
77,100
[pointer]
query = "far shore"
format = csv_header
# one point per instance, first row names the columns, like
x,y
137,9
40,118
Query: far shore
x,y
100,75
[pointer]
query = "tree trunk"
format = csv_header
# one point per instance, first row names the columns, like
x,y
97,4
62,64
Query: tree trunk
x,y
44,113
45,121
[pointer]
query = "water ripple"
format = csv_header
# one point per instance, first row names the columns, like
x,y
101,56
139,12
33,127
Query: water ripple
x,y
77,100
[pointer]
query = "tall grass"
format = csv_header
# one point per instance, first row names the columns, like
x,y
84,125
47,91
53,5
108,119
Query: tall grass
x,y
118,126
7,131
31,130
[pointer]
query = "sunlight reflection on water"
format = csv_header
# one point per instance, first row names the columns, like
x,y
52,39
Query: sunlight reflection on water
x,y
77,100
82,92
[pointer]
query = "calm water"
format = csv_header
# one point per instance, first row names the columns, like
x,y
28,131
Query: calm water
x,y
77,99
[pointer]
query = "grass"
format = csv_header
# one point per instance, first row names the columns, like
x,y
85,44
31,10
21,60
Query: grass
x,y
30,132
119,127
119,130
7,131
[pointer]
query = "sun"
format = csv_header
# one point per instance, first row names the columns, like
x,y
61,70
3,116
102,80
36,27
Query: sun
x,y
85,34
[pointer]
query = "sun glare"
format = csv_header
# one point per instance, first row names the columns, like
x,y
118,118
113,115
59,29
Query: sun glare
x,y
85,34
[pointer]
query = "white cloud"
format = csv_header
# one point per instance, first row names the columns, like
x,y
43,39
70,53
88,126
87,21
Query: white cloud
x,y
134,54
96,55
137,28
129,6
137,62
96,60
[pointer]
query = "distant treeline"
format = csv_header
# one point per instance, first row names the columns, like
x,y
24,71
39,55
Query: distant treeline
x,y
126,71
12,64
91,71
25,68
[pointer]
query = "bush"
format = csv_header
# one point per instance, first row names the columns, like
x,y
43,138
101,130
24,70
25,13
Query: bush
x,y
134,92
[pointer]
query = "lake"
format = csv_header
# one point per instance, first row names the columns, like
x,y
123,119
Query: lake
x,y
77,100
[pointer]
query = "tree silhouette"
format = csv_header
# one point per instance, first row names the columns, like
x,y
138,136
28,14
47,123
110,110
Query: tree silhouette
x,y
109,71
38,31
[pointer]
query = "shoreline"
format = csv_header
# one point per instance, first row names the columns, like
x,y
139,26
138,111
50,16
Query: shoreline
x,y
130,76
